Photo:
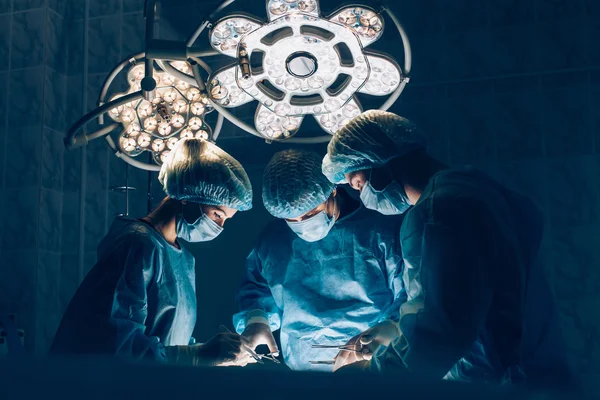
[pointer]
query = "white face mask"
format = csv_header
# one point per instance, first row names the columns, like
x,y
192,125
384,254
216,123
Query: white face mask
x,y
313,229
203,230
392,200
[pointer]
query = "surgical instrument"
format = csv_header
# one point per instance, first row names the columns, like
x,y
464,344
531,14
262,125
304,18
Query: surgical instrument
x,y
254,354
344,347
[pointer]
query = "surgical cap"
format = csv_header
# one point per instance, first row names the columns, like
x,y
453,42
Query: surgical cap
x,y
200,172
293,183
369,140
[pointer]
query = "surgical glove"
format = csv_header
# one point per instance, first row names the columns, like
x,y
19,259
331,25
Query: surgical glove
x,y
259,333
362,346
222,350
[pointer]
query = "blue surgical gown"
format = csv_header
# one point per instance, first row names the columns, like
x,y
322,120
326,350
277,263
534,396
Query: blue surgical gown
x,y
324,292
139,297
479,307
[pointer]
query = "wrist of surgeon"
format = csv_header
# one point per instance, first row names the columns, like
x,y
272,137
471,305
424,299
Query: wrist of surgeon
x,y
258,332
362,346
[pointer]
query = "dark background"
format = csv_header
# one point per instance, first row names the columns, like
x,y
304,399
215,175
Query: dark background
x,y
510,86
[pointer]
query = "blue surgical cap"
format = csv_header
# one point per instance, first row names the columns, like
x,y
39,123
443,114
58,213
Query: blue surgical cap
x,y
200,172
369,140
293,183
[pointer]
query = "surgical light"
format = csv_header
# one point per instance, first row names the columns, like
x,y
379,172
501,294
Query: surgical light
x,y
294,64
309,65
163,118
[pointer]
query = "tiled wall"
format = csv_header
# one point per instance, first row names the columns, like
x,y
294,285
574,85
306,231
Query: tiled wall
x,y
512,87
102,33
50,236
32,123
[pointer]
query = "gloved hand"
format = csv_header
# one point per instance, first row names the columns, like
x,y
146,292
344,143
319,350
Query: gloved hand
x,y
222,350
367,343
259,333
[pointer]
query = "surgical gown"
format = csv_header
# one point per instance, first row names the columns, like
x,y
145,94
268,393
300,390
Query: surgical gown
x,y
139,297
479,307
324,292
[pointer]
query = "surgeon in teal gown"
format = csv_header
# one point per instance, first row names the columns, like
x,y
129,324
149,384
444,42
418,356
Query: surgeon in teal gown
x,y
479,306
139,300
324,272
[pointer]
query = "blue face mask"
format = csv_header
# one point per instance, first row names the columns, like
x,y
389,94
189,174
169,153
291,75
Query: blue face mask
x,y
313,229
203,230
391,200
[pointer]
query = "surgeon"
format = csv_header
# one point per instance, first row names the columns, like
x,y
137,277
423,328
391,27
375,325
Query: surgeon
x,y
139,300
326,271
479,307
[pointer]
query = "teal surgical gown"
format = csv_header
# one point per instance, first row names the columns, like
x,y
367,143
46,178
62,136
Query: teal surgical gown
x,y
139,297
479,307
324,292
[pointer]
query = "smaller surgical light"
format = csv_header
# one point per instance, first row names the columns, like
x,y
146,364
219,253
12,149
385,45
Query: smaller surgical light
x,y
197,108
145,109
273,132
187,134
133,129
164,128
180,106
150,124
201,134
158,145
195,123
128,144
193,94
144,140
178,120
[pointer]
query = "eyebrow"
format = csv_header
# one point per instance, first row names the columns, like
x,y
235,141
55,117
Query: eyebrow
x,y
223,211
219,209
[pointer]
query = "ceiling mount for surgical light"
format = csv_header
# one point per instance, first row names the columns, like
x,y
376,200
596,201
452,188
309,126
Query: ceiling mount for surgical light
x,y
296,64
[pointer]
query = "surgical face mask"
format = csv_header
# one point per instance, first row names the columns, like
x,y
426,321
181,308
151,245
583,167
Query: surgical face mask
x,y
203,230
313,229
391,200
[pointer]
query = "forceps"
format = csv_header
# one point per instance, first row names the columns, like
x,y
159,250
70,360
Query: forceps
x,y
253,354
343,347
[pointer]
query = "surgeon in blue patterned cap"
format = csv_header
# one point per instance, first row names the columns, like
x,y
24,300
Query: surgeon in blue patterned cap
x,y
325,272
139,299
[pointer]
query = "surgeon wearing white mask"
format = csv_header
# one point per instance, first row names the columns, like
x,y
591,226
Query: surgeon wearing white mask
x,y
139,300
326,271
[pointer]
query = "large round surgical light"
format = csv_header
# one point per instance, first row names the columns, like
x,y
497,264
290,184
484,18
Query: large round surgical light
x,y
156,125
303,64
